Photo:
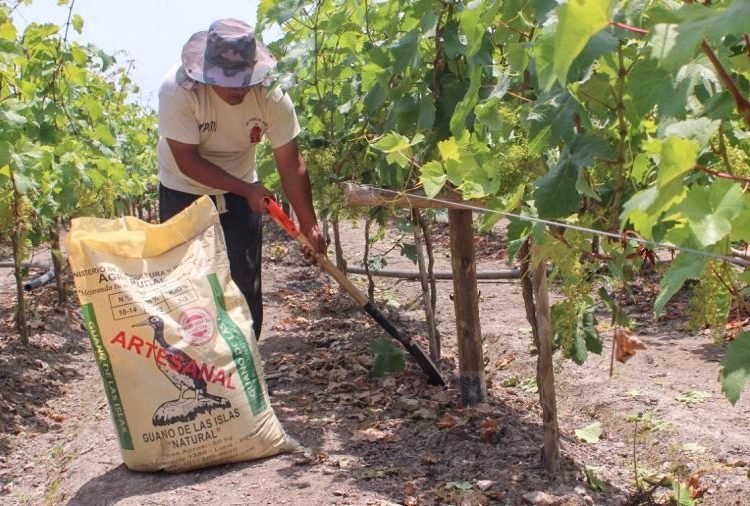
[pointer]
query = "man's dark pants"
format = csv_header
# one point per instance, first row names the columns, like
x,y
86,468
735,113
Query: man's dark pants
x,y
243,233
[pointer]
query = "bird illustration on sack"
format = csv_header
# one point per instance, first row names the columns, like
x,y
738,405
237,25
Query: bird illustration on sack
x,y
173,363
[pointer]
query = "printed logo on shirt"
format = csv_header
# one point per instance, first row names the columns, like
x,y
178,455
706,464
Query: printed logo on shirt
x,y
257,127
207,126
255,134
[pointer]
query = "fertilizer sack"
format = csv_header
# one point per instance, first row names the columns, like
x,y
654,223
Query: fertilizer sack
x,y
172,336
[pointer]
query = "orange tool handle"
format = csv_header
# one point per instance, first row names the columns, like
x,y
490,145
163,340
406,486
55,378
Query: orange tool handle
x,y
280,217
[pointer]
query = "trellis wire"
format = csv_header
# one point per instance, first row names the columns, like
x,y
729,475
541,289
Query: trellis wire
x,y
619,237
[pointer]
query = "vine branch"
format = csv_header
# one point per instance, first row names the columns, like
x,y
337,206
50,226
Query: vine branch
x,y
743,105
722,175
629,28
729,286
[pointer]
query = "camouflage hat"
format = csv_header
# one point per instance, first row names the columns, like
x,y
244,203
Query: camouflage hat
x,y
228,54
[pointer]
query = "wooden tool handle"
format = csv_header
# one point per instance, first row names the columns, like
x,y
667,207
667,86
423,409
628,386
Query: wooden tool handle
x,y
280,217
285,222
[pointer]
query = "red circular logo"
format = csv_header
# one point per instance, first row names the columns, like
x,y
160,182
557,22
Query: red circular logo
x,y
197,326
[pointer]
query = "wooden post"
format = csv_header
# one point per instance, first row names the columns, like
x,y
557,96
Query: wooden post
x,y
57,261
545,376
471,381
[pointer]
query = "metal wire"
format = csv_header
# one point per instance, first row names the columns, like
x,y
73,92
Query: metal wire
x,y
619,237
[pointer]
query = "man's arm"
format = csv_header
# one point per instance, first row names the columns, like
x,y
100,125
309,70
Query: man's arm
x,y
193,165
296,184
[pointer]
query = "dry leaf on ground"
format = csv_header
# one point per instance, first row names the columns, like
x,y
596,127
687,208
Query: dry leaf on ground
x,y
373,435
489,431
626,344
696,488
446,422
429,458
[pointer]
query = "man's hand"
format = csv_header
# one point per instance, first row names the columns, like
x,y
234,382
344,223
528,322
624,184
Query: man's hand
x,y
315,236
254,193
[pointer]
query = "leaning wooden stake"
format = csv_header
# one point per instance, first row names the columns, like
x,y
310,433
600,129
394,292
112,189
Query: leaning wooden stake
x,y
426,300
471,381
545,375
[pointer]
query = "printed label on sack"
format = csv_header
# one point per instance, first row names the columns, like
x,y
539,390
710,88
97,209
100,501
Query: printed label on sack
x,y
172,336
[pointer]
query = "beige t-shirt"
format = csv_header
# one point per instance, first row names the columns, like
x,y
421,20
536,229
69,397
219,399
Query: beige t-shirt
x,y
227,135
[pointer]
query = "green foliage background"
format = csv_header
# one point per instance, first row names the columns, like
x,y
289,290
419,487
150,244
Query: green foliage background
x,y
625,116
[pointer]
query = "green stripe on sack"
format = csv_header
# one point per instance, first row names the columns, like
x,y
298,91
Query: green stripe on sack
x,y
108,377
241,354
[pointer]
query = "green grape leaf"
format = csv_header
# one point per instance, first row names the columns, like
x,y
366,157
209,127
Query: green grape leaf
x,y
681,494
555,193
403,114
741,224
279,11
466,106
433,177
409,251
672,45
601,44
488,113
684,267
452,44
698,129
587,326
590,434
586,337
676,42
550,121
735,367
518,56
406,52
77,23
648,86
544,54
103,134
388,358
375,98
590,473
645,207
579,20
23,182
426,113
93,107
474,20
392,142
677,157
586,149
449,150
596,93
8,31
6,149
690,77
585,189
11,120
712,209
503,205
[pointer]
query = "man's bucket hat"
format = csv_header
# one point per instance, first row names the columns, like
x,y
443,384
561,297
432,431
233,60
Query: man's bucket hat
x,y
228,55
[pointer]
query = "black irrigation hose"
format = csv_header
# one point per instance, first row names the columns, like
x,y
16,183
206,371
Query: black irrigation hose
x,y
512,273
40,281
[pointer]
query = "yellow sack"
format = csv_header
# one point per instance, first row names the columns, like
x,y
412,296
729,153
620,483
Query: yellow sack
x,y
173,338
